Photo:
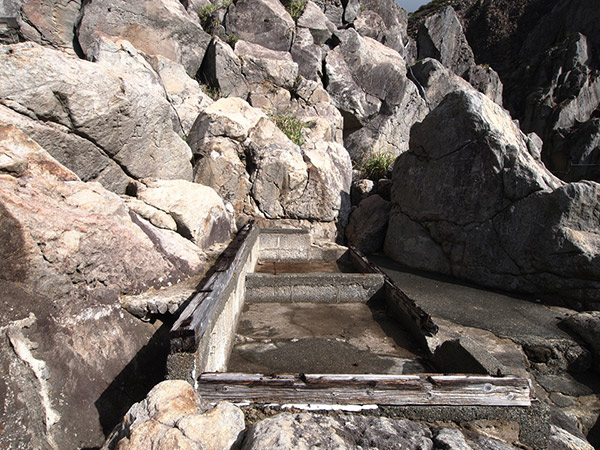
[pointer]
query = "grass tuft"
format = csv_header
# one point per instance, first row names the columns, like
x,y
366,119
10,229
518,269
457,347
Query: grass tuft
x,y
290,126
374,167
295,8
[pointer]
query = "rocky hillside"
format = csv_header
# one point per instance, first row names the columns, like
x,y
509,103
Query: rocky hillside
x,y
136,136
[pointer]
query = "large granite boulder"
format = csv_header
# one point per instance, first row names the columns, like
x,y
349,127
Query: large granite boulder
x,y
45,22
367,82
113,111
470,200
173,416
72,362
441,37
368,224
263,22
161,27
222,69
254,166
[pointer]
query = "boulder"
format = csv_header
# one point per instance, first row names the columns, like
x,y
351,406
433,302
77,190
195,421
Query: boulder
x,y
517,227
441,37
435,81
486,80
306,431
197,210
334,11
222,69
72,361
254,166
262,22
368,224
587,326
157,28
395,21
174,416
117,108
307,54
362,189
183,93
314,20
49,23
262,65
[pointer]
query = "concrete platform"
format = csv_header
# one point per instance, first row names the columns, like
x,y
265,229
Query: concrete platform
x,y
323,338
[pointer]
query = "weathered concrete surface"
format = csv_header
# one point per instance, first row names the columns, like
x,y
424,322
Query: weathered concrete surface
x,y
312,287
322,338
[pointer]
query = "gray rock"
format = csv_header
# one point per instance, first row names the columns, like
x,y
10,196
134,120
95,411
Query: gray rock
x,y
486,80
174,416
198,211
50,23
184,93
370,24
450,439
517,227
68,250
561,439
305,431
223,69
587,326
368,224
333,9
118,106
307,55
262,22
262,65
441,37
156,28
435,81
316,22
395,20
362,189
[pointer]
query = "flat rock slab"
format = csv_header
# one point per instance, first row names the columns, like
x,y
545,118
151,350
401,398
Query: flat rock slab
x,y
324,338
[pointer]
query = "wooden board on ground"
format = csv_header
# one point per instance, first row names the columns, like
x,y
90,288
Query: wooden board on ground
x,y
341,389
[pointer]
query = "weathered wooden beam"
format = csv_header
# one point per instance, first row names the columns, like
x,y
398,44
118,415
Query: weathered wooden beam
x,y
408,308
341,389
196,318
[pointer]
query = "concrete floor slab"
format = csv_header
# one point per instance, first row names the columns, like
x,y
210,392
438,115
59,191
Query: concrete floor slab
x,y
323,338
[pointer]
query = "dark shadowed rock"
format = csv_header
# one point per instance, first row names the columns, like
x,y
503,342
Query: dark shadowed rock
x,y
441,37
222,69
516,227
587,326
157,28
263,22
308,55
368,224
485,80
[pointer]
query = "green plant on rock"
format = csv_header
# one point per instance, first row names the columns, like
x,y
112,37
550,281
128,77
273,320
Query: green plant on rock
x,y
295,8
213,92
374,167
208,21
290,126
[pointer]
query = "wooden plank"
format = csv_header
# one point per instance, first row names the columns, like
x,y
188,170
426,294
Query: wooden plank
x,y
197,316
421,319
423,390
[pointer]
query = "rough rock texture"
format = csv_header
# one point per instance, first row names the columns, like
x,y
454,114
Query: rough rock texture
x,y
442,37
67,250
49,23
263,22
587,326
155,27
183,92
173,416
368,84
368,224
116,110
222,69
517,226
256,168
263,65
198,211
305,431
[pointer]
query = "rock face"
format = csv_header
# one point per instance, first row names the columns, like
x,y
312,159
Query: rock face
x,y
174,416
517,226
255,167
155,28
68,248
587,326
368,224
442,37
109,121
263,22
